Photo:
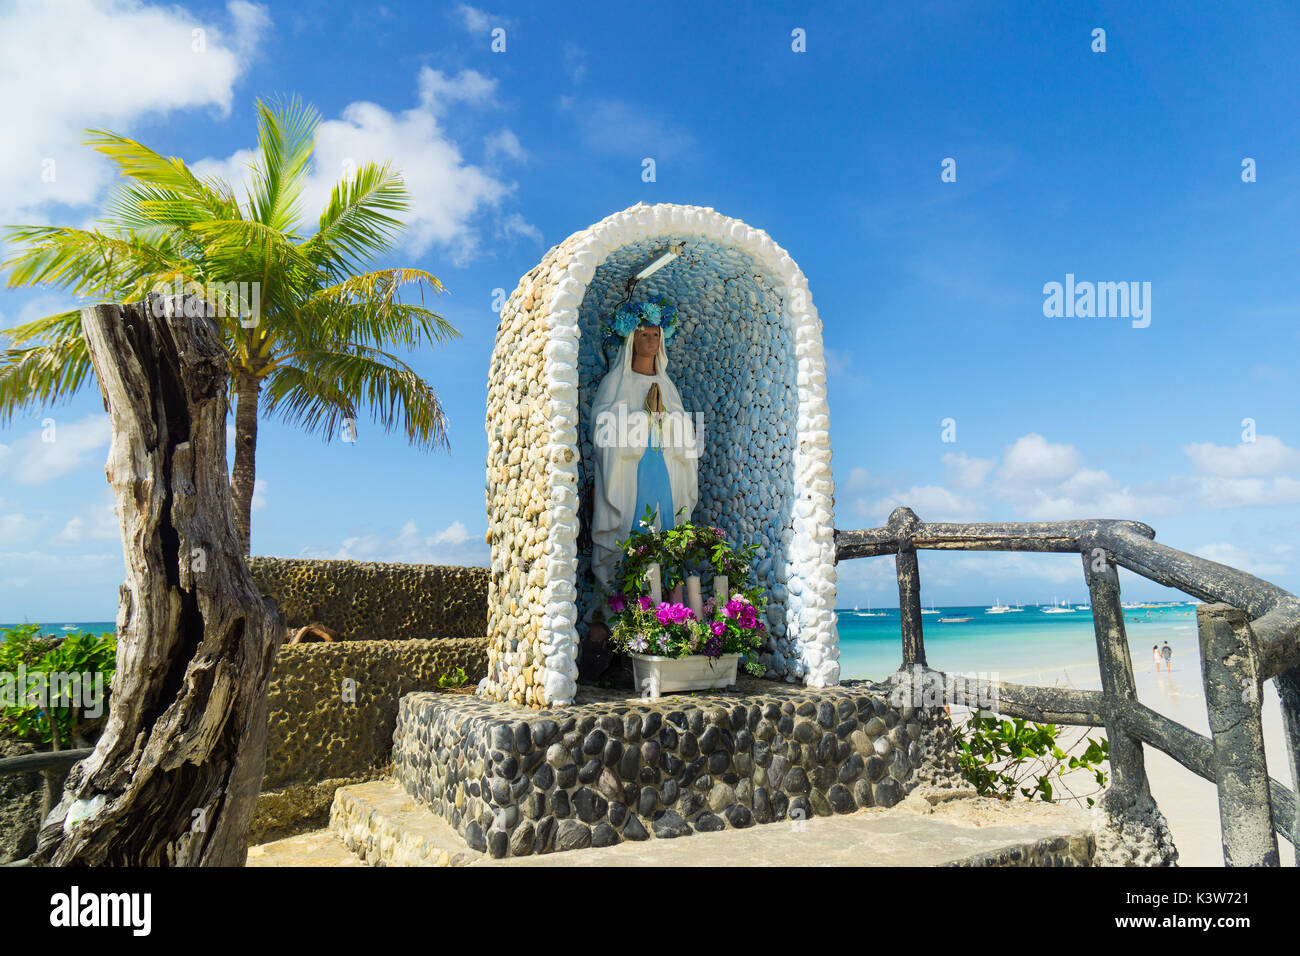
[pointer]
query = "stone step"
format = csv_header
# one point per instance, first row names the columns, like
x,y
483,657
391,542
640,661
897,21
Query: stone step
x,y
384,826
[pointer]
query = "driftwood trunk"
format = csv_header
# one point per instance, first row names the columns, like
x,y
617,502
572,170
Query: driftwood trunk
x,y
176,773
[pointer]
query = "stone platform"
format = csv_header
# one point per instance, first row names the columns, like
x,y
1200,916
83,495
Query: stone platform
x,y
515,781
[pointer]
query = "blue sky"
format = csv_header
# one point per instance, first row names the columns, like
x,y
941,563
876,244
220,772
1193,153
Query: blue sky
x,y
1123,165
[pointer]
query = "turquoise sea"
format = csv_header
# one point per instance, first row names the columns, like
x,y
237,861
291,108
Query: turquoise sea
x,y
1027,646
58,628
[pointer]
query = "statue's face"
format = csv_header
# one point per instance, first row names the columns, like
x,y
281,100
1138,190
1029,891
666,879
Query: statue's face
x,y
645,341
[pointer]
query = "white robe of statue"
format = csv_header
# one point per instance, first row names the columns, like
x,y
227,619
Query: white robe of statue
x,y
618,449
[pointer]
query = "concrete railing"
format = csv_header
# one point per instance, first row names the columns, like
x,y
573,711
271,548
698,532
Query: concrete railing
x,y
1249,634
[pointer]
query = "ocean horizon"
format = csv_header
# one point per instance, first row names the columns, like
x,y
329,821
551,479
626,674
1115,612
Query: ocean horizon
x,y
1028,646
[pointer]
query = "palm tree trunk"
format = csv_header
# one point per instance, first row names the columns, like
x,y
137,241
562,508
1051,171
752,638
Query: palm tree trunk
x,y
243,476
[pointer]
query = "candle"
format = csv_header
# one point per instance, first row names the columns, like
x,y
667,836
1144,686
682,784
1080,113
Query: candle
x,y
720,592
694,600
653,578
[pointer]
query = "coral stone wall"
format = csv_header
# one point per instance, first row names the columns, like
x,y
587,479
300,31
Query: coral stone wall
x,y
366,601
315,731
517,782
318,740
748,358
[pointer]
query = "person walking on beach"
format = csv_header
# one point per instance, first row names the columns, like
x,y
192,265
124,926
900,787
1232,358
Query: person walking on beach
x,y
1167,653
1155,656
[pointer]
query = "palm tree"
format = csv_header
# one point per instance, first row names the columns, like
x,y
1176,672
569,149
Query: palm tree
x,y
316,318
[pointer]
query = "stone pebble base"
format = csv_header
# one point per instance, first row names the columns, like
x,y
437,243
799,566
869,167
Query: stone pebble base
x,y
515,782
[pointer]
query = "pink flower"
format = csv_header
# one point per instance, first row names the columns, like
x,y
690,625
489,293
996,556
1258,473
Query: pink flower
x,y
710,606
616,603
748,617
733,607
718,628
645,602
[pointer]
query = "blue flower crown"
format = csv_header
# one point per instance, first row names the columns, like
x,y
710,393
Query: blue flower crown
x,y
658,312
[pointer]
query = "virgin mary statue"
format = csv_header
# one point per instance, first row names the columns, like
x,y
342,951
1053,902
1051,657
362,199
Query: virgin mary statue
x,y
645,450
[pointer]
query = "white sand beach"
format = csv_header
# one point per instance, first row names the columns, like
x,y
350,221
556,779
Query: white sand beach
x,y
1189,802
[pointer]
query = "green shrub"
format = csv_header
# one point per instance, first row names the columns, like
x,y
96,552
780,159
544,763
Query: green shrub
x,y
1003,758
457,678
76,658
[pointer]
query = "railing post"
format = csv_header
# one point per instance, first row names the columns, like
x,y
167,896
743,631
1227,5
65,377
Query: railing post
x,y
1288,693
909,606
1229,662
1127,763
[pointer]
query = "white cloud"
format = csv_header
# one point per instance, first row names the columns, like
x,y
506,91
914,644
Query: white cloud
x,y
505,143
623,129
454,533
98,523
76,64
1035,479
1243,559
447,193
475,20
259,495
1266,455
575,61
17,529
964,471
1034,459
930,502
1247,492
55,449
452,545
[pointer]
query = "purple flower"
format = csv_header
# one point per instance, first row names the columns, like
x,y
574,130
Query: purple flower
x,y
718,628
713,647
717,532
637,643
733,607
748,617
667,613
710,607
616,603
645,602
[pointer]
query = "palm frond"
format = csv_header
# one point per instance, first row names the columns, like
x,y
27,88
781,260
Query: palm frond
x,y
139,162
286,137
85,261
328,385
43,373
356,224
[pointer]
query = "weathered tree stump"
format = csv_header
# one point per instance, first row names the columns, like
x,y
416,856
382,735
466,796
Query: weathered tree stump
x,y
174,778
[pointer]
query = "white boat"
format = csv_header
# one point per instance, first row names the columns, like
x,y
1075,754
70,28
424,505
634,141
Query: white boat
x,y
998,608
870,613
953,620
69,627
929,610
1057,608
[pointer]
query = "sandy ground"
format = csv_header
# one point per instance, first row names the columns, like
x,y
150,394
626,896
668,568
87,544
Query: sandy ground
x,y
1190,803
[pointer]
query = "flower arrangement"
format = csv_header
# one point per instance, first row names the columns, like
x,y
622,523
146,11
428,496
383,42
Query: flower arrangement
x,y
657,312
669,629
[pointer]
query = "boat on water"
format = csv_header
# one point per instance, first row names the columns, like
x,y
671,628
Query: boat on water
x,y
930,610
69,627
999,608
1058,608
870,613
953,620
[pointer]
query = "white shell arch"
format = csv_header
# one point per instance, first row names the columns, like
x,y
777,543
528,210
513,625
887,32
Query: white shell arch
x,y
535,455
